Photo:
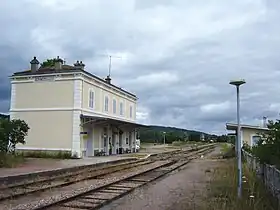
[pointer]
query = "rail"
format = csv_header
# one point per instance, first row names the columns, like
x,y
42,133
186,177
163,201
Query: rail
x,y
107,183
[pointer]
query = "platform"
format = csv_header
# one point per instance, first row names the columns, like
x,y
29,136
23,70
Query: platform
x,y
36,165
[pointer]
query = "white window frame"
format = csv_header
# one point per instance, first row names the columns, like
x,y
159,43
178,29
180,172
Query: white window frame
x,y
114,105
131,111
106,99
121,108
253,135
91,97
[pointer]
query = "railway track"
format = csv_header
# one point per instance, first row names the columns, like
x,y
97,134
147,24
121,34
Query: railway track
x,y
22,189
100,196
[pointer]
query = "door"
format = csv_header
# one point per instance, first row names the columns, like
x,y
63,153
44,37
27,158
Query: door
x,y
88,144
120,143
114,144
130,140
105,140
89,147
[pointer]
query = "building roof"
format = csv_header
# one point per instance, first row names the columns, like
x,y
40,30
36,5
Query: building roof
x,y
110,120
233,126
67,69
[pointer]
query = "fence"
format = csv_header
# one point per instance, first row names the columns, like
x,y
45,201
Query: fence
x,y
267,173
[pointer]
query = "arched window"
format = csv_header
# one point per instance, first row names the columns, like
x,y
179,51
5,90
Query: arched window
x,y
121,108
130,112
106,107
114,106
91,99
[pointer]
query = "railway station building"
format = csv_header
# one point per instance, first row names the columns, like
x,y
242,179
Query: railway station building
x,y
69,109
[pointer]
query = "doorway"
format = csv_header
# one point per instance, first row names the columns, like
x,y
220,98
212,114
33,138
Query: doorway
x,y
130,140
120,143
88,144
114,144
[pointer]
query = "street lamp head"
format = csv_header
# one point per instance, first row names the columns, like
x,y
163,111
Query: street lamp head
x,y
237,82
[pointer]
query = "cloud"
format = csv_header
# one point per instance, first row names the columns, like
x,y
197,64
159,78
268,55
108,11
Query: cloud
x,y
177,56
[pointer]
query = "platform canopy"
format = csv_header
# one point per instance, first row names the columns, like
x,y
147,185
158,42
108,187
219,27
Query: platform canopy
x,y
233,126
106,120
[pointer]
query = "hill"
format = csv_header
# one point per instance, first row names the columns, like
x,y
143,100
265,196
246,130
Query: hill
x,y
155,134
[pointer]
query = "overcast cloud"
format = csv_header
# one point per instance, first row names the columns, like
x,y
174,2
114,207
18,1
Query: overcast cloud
x,y
177,56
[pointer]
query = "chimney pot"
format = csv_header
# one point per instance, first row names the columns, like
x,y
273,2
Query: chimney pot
x,y
58,63
34,64
108,79
79,64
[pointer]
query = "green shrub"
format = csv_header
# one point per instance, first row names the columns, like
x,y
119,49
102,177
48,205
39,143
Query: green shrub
x,y
47,154
222,194
8,160
267,149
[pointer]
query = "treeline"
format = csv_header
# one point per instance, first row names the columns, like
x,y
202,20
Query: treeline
x,y
155,134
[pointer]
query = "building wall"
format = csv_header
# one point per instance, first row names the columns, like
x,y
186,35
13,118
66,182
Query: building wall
x,y
100,92
52,106
247,135
53,94
49,130
96,137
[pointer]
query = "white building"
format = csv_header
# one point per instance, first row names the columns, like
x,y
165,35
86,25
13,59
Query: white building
x,y
70,109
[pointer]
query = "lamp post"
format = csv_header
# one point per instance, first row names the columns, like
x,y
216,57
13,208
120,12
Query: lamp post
x,y
164,137
237,84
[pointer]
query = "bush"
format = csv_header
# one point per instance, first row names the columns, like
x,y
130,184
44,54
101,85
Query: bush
x,y
12,132
223,191
47,154
268,147
8,160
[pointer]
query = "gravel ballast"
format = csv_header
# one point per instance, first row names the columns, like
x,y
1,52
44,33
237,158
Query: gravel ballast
x,y
92,184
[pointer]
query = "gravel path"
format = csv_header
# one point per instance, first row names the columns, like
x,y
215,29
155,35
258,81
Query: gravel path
x,y
182,190
41,199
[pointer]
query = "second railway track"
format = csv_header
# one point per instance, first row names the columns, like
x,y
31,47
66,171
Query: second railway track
x,y
101,195
23,189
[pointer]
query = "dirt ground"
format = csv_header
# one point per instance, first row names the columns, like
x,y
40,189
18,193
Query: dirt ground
x,y
182,190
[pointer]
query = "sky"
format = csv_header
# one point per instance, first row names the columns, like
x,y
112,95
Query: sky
x,y
177,56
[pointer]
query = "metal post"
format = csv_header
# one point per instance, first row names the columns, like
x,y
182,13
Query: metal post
x,y
238,83
239,164
164,138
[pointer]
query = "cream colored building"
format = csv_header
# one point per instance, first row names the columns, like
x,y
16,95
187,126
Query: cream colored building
x,y
70,109
249,134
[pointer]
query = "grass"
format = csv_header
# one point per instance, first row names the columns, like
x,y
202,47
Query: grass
x,y
225,147
222,193
47,154
10,160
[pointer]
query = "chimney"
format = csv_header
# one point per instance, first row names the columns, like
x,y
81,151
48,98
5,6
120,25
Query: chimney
x,y
80,65
108,79
34,65
58,63
264,124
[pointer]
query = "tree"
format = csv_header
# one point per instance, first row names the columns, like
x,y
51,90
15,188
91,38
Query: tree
x,y
12,132
268,147
48,63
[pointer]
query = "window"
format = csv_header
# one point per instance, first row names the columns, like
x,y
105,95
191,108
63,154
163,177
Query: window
x,y
255,140
126,140
106,107
130,111
121,108
114,106
91,99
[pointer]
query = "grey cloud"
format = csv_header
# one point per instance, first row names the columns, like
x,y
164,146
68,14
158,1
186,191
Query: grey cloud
x,y
177,56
